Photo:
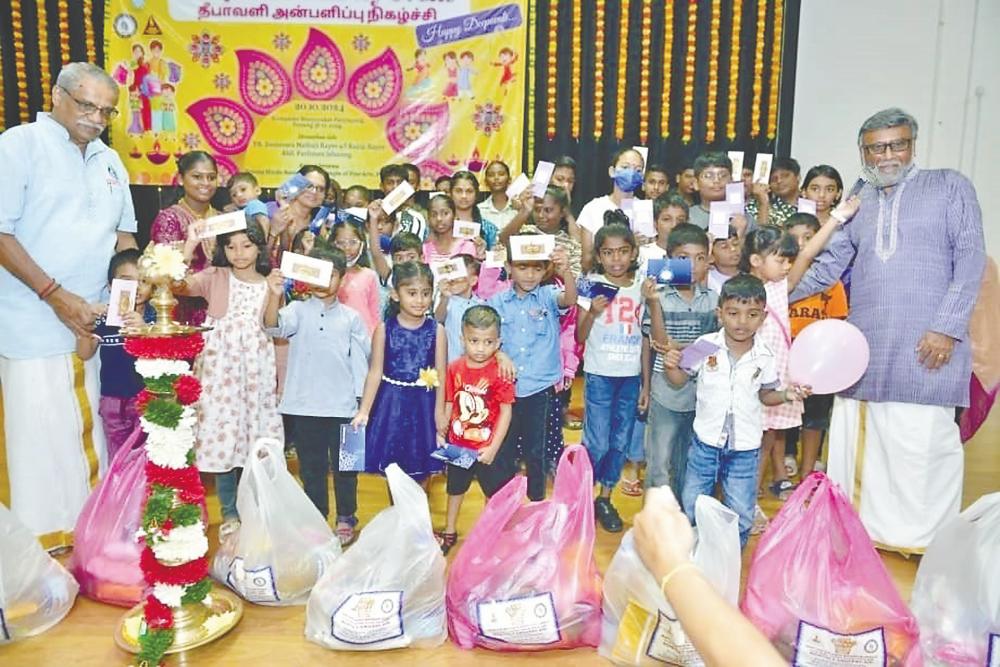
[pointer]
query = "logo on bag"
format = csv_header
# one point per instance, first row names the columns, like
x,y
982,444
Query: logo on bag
x,y
844,645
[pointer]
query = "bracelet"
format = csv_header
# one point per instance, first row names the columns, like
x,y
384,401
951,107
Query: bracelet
x,y
48,290
670,575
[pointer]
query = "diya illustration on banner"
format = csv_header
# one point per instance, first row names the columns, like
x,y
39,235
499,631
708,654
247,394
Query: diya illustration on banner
x,y
358,84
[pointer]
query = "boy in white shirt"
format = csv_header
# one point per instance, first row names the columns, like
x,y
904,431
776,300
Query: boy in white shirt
x,y
733,383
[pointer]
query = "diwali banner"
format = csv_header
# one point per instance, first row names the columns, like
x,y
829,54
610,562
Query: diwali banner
x,y
351,85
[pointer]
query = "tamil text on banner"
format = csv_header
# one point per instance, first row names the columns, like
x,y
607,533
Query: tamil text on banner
x,y
350,85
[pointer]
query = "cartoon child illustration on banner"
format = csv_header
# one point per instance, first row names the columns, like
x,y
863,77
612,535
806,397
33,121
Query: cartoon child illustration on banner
x,y
506,59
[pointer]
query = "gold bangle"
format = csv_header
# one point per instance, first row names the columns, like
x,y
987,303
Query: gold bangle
x,y
670,575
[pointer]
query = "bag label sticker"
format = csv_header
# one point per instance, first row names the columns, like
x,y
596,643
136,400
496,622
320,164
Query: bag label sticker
x,y
368,618
527,620
254,585
992,652
670,644
819,647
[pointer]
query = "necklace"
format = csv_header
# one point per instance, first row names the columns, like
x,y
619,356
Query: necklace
x,y
209,212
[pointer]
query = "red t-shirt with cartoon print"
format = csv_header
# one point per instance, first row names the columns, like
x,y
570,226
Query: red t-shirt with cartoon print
x,y
476,395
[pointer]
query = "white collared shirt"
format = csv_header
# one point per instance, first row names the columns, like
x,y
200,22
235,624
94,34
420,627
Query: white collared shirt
x,y
727,388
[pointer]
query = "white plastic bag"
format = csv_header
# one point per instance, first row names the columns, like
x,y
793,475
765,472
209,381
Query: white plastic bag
x,y
386,591
956,595
639,627
283,544
36,592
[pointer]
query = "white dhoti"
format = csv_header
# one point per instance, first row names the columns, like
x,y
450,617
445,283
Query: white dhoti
x,y
52,449
901,464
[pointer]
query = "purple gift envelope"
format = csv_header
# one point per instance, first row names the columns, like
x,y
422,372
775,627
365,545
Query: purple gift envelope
x,y
463,457
598,288
696,352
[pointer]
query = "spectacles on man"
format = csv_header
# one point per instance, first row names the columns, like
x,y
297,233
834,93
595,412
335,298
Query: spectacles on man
x,y
896,146
88,108
720,175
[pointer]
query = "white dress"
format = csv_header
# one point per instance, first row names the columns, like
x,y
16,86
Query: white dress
x,y
237,371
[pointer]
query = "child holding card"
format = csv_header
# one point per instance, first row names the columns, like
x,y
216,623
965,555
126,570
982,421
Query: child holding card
x,y
529,314
465,192
713,172
497,208
783,185
685,312
359,288
403,401
120,384
478,401
669,210
455,297
725,259
612,361
731,387
244,192
441,242
626,176
408,217
327,365
237,368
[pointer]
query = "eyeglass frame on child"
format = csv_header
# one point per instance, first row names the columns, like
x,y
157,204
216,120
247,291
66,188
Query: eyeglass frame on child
x,y
88,108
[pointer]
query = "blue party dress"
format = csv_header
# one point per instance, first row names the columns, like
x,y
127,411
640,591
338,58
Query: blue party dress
x,y
401,426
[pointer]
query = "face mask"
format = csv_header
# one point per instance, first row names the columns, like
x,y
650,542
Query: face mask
x,y
627,180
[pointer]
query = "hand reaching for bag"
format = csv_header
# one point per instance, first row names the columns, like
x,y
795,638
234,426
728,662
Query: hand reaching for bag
x,y
662,533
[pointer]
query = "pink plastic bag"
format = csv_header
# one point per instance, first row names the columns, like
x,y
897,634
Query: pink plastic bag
x,y
106,551
526,579
819,591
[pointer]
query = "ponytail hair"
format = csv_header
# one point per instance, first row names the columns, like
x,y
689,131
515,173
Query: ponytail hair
x,y
768,240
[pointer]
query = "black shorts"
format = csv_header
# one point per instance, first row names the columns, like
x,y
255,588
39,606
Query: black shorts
x,y
491,478
816,416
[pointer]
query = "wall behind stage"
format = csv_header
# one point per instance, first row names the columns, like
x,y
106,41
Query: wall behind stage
x,y
937,59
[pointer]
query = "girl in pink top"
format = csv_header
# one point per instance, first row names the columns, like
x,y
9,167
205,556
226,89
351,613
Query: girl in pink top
x,y
359,287
441,242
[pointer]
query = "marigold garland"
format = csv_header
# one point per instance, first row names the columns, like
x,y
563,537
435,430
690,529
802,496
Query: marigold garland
x,y
687,129
758,69
17,27
734,70
45,74
772,98
552,70
577,67
599,70
647,36
668,57
64,52
713,71
88,31
622,78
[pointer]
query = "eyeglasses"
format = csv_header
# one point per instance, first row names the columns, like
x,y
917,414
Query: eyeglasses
x,y
347,243
314,188
715,175
88,108
896,146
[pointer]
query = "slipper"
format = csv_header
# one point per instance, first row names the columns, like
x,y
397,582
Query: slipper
x,y
631,487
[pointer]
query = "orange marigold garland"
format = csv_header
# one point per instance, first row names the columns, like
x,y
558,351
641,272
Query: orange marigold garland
x,y
45,75
577,67
687,130
17,27
734,70
758,69
64,52
713,71
598,70
622,78
647,32
668,57
553,72
88,31
772,96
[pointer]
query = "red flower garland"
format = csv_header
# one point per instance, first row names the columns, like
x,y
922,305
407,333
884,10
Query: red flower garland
x,y
167,347
187,388
182,479
158,615
142,399
179,575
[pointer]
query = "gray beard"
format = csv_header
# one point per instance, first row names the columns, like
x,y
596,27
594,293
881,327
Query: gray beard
x,y
872,175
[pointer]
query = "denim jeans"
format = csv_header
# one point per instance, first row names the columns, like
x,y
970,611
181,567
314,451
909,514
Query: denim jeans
x,y
667,449
225,487
318,446
637,446
736,470
609,417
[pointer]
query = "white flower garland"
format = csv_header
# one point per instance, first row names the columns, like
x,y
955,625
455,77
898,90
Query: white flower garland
x,y
182,544
154,368
169,594
168,447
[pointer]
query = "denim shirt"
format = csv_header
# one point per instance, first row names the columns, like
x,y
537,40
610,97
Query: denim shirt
x,y
530,336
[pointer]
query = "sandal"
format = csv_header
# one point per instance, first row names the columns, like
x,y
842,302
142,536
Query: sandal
x,y
445,540
631,487
345,530
781,489
759,521
228,527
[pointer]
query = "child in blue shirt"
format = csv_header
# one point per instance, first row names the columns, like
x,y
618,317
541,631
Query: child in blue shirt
x,y
328,355
120,384
529,313
244,191
454,298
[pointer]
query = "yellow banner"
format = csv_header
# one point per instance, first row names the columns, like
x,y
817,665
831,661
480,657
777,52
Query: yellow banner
x,y
350,85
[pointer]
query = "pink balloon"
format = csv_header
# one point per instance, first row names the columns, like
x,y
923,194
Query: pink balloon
x,y
828,355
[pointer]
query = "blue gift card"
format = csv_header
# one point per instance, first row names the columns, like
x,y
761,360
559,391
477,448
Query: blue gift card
x,y
670,271
606,290
294,186
463,457
352,449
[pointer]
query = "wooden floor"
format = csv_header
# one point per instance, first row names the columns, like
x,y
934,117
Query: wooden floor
x,y
274,636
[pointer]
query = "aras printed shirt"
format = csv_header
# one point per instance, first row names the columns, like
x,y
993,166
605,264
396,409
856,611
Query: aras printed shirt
x,y
476,395
823,306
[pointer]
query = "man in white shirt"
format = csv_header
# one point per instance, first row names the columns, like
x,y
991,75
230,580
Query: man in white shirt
x,y
65,208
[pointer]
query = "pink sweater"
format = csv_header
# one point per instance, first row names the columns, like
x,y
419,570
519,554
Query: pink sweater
x,y
359,290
